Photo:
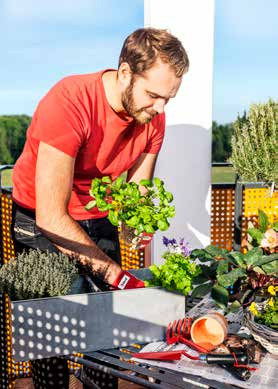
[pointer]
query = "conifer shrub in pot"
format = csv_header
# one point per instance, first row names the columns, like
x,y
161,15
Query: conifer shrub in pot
x,y
254,158
255,144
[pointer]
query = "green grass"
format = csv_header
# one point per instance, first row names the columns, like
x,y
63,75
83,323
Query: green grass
x,y
6,176
222,174
219,175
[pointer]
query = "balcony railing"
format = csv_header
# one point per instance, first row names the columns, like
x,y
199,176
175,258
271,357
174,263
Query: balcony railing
x,y
233,205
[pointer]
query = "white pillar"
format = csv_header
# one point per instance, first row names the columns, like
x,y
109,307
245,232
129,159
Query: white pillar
x,y
185,159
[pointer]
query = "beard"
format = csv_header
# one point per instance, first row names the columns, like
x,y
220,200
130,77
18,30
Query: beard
x,y
139,115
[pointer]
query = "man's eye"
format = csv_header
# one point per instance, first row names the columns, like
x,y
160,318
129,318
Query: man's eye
x,y
152,96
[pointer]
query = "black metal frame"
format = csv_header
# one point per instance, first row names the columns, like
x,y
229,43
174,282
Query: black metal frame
x,y
114,362
117,363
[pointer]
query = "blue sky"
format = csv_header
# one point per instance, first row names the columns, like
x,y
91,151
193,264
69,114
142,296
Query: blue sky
x,y
245,55
43,41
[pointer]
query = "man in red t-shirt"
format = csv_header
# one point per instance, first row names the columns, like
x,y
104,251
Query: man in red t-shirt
x,y
93,125
89,126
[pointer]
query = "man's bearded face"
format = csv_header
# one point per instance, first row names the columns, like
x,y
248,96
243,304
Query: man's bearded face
x,y
147,94
142,115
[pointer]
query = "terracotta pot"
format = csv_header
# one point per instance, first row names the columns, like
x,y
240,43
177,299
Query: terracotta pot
x,y
209,330
129,236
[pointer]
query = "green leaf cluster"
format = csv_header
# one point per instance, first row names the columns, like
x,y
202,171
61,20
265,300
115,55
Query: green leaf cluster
x,y
36,274
221,269
175,274
124,202
255,143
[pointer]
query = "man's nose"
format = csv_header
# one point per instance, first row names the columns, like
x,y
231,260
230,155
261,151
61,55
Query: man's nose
x,y
159,105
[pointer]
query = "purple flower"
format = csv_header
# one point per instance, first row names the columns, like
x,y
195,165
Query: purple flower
x,y
185,249
173,246
167,241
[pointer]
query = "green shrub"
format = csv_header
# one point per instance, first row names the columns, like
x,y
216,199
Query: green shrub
x,y
36,274
255,143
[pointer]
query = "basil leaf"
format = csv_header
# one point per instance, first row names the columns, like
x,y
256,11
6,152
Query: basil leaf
x,y
201,290
263,221
220,295
230,278
90,205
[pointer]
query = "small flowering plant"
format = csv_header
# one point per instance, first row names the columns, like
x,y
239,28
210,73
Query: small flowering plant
x,y
177,248
177,271
267,313
264,236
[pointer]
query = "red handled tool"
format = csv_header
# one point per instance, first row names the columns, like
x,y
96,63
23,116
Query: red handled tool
x,y
179,332
220,359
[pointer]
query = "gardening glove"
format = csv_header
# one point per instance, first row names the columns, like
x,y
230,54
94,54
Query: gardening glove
x,y
125,280
146,239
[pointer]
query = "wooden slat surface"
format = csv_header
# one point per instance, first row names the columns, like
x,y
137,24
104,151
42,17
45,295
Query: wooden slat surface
x,y
27,383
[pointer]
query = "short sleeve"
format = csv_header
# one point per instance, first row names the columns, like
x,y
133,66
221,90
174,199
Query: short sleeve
x,y
58,122
156,135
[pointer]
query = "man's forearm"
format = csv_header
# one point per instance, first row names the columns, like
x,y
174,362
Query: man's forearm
x,y
67,235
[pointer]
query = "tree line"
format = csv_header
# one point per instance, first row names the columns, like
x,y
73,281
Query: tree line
x,y
221,141
12,137
13,133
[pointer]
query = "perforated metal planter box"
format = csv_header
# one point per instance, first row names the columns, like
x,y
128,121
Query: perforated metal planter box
x,y
86,322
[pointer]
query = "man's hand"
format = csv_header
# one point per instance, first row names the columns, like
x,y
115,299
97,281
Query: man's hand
x,y
125,280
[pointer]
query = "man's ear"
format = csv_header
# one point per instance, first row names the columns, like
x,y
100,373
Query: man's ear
x,y
124,73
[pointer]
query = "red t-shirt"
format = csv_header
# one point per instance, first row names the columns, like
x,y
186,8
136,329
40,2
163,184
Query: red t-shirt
x,y
76,118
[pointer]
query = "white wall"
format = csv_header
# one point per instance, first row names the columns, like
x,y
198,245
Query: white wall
x,y
185,158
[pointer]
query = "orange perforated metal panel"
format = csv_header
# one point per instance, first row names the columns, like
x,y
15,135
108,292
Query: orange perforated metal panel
x,y
7,253
73,367
255,199
6,219
5,346
222,216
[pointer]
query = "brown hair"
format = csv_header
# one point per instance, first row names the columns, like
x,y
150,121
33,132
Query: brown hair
x,y
144,46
